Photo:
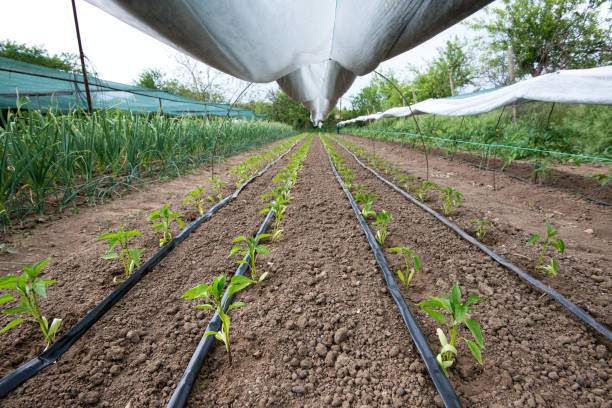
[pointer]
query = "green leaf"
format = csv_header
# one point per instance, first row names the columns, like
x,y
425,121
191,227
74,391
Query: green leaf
x,y
441,337
456,294
234,250
236,288
548,228
196,292
210,333
181,223
6,298
240,279
8,282
17,309
262,236
559,244
417,263
401,275
12,324
435,314
241,238
108,235
263,250
475,330
235,305
475,350
204,306
398,250
474,298
533,239
110,256
55,325
39,288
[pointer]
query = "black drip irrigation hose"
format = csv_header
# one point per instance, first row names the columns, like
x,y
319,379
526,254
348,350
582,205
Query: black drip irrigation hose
x,y
53,353
584,316
444,387
479,166
183,389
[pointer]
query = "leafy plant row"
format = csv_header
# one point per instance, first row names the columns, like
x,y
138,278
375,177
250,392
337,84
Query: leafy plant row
x,y
28,288
216,295
54,161
451,199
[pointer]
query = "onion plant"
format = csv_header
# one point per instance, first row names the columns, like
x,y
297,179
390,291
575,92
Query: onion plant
x,y
456,316
28,287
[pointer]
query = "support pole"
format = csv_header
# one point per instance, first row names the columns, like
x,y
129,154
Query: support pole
x,y
452,83
78,33
411,114
512,78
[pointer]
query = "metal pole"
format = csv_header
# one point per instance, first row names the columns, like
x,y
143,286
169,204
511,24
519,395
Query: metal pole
x,y
78,33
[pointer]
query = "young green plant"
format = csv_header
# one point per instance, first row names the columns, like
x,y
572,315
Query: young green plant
x,y
421,189
558,243
214,294
165,217
218,184
451,304
409,258
28,287
197,198
481,229
130,258
279,205
382,220
451,199
252,249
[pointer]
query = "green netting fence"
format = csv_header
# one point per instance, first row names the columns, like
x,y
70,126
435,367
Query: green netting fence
x,y
50,89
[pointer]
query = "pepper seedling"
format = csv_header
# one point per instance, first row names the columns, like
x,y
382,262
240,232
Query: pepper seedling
x,y
197,198
367,210
481,229
451,198
279,205
451,304
130,258
165,217
363,198
382,219
421,189
214,294
409,257
29,287
252,249
218,184
557,243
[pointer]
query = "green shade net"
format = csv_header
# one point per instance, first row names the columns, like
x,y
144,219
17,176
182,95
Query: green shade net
x,y
46,88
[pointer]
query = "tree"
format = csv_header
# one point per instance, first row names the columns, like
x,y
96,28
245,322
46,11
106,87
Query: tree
x,y
545,35
379,95
39,56
155,79
434,80
151,78
286,110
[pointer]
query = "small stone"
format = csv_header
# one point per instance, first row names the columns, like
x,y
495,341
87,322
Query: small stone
x,y
589,230
306,363
115,369
289,325
340,335
336,402
553,375
496,323
330,358
600,351
400,392
302,322
132,336
115,353
321,350
395,350
298,389
303,374
90,397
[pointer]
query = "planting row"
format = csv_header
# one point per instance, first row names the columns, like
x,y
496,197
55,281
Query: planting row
x,y
51,161
543,252
28,290
514,317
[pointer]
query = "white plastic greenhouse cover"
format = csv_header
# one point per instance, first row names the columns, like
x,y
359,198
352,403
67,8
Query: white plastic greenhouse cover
x,y
313,48
588,86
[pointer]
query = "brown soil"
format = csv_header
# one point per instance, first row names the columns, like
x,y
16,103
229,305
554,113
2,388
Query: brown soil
x,y
322,329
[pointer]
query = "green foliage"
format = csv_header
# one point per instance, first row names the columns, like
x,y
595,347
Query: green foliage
x,y
382,220
279,205
481,230
451,199
165,217
214,295
557,243
130,258
252,249
422,189
37,55
63,159
409,258
545,35
28,288
456,312
286,110
217,186
197,198
603,179
153,78
367,210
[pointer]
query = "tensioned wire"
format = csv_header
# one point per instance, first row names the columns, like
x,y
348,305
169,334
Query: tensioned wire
x,y
530,149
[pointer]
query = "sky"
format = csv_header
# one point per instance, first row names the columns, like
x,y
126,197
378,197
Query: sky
x,y
120,53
